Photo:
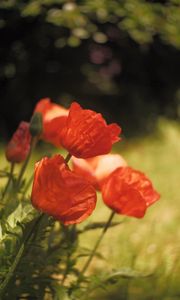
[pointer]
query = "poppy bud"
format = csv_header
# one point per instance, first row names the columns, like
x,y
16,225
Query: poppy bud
x,y
36,125
19,145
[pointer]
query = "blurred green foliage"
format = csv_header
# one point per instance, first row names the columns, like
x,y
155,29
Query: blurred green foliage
x,y
141,19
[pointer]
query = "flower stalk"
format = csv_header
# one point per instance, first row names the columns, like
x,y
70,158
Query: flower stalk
x,y
9,180
84,269
23,169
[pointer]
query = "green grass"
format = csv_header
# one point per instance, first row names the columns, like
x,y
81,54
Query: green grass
x,y
150,245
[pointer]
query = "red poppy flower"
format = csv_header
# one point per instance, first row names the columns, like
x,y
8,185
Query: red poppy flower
x,y
97,168
54,118
19,145
60,192
128,192
86,133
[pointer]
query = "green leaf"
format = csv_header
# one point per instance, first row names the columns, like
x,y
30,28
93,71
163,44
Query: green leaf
x,y
98,225
23,213
4,173
125,273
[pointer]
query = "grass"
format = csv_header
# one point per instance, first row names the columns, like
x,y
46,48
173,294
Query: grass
x,y
150,245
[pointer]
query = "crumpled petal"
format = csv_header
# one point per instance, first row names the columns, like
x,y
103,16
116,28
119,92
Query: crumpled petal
x,y
60,192
86,133
54,119
129,192
96,169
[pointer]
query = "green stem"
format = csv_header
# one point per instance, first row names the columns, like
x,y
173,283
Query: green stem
x,y
27,186
9,180
33,143
17,259
96,246
66,269
70,235
68,157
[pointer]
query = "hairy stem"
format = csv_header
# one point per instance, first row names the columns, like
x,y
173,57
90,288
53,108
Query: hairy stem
x,y
27,186
21,173
96,246
66,269
9,180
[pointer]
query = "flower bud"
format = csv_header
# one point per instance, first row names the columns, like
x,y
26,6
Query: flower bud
x,y
19,145
36,125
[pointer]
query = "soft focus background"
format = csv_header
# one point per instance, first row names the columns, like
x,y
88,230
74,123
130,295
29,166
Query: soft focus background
x,y
120,58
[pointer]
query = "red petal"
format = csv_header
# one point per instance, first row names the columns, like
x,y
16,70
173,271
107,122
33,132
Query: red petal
x,y
61,193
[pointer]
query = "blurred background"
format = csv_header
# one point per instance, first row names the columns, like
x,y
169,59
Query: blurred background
x,y
121,58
